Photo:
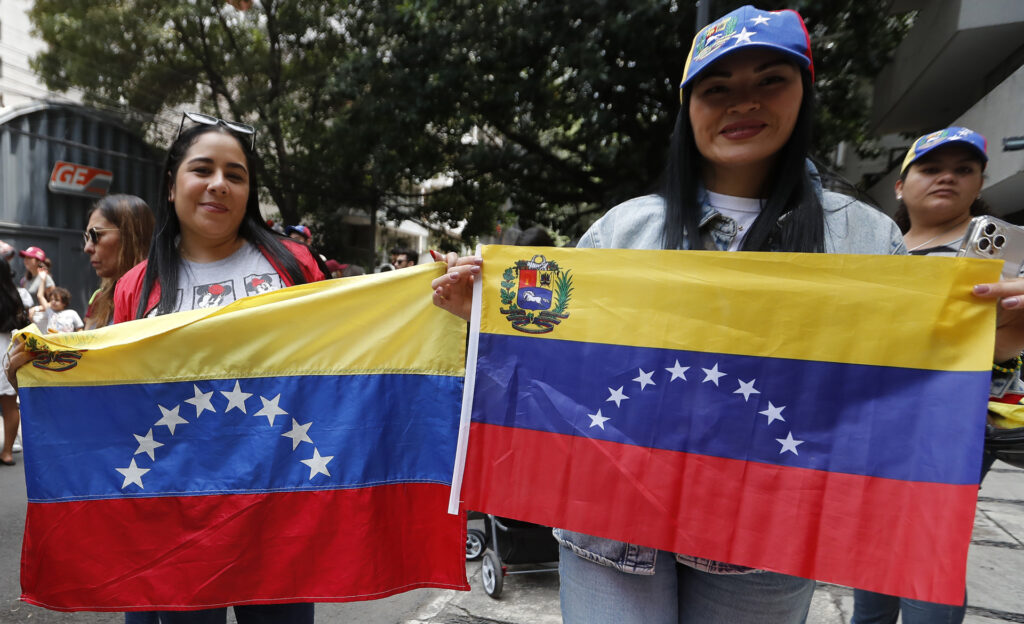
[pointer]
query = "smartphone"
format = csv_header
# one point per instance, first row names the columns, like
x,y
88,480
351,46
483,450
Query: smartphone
x,y
994,239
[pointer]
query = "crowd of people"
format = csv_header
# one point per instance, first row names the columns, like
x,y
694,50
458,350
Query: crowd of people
x,y
738,178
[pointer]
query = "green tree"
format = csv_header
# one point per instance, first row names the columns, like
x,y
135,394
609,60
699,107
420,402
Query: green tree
x,y
545,112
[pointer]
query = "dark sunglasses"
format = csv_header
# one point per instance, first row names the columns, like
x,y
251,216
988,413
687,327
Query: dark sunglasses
x,y
93,234
210,120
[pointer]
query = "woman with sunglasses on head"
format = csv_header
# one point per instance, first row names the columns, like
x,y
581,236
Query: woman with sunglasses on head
x,y
737,178
116,239
210,236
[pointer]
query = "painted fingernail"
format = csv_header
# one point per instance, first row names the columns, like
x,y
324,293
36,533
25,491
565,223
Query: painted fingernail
x,y
435,255
981,289
1011,302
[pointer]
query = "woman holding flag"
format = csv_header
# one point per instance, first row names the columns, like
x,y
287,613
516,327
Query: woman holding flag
x,y
737,178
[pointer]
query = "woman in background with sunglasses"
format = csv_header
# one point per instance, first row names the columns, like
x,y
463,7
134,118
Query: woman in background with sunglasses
x,y
210,236
116,239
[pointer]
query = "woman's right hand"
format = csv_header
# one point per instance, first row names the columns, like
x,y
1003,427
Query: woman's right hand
x,y
453,291
18,357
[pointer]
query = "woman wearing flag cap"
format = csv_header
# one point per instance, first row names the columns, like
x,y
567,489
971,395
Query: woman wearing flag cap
x,y
939,190
737,178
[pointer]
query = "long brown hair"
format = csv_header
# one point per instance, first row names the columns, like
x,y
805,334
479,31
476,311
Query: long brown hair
x,y
134,220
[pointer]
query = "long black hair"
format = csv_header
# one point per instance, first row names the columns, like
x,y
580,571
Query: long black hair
x,y
791,194
12,310
164,262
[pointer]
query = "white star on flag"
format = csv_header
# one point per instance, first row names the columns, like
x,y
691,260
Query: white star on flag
x,y
597,420
236,398
170,418
678,372
298,434
743,36
773,413
616,396
746,389
789,444
317,464
760,19
132,474
645,379
147,444
712,374
201,401
270,409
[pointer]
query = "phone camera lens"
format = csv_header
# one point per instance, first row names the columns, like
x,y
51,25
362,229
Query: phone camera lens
x,y
999,241
990,229
983,244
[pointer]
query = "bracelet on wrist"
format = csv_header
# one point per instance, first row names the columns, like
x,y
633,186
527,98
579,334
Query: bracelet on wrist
x,y
1008,366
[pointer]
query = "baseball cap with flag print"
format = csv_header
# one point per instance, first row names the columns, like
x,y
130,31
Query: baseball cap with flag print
x,y
952,134
748,27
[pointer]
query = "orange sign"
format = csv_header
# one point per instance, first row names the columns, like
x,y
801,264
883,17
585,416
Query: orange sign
x,y
75,179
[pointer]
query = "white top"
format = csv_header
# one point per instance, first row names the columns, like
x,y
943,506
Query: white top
x,y
742,210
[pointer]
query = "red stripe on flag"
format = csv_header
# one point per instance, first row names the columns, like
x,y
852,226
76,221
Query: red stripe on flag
x,y
206,551
896,537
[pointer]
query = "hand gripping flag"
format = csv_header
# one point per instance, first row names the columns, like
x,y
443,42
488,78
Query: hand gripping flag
x,y
293,446
817,415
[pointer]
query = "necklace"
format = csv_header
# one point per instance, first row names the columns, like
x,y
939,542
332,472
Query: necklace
x,y
942,233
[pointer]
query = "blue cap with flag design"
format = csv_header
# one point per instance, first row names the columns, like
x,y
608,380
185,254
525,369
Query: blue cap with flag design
x,y
749,27
952,134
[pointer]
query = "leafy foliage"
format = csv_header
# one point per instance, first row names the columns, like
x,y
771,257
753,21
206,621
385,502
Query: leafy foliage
x,y
541,112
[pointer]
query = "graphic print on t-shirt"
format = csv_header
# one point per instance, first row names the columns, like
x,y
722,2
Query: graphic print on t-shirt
x,y
213,295
258,283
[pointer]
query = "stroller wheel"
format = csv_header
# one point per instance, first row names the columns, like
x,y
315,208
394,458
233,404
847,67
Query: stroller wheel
x,y
492,574
475,544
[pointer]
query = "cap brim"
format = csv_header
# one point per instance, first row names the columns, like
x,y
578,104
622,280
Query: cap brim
x,y
800,59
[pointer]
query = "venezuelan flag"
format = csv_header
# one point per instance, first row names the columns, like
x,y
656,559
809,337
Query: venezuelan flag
x,y
295,446
817,415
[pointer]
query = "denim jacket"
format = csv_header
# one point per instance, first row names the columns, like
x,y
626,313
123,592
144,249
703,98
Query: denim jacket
x,y
851,227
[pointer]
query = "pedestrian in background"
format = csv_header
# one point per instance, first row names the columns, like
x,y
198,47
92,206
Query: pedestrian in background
x,y
116,239
35,262
12,318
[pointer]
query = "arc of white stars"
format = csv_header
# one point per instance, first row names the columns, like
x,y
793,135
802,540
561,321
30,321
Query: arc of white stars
x,y
678,372
746,389
270,409
236,398
760,19
317,464
712,374
201,401
597,420
617,396
298,434
147,444
743,36
170,418
789,444
773,413
132,474
644,379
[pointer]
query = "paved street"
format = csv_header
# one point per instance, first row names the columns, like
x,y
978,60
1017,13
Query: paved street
x,y
995,576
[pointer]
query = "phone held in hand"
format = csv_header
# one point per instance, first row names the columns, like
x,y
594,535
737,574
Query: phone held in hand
x,y
994,239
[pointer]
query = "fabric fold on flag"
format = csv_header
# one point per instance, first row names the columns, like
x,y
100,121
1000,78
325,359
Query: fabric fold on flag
x,y
817,415
295,446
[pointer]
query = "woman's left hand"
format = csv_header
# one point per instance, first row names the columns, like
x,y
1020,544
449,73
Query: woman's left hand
x,y
19,356
1009,318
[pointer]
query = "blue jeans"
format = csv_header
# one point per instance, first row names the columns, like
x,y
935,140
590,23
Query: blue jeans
x,y
872,608
299,613
595,594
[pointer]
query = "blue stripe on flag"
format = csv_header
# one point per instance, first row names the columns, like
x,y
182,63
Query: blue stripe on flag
x,y
147,440
847,418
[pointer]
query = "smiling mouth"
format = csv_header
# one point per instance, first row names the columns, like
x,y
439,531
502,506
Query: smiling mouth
x,y
742,130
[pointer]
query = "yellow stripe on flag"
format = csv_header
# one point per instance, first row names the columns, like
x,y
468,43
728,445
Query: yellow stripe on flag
x,y
903,311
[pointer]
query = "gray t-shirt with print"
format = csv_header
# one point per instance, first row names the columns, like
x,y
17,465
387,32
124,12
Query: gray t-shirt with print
x,y
212,284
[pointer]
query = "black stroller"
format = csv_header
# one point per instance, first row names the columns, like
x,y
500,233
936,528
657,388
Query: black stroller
x,y
513,542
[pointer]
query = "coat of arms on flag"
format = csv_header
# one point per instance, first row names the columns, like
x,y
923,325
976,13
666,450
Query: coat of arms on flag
x,y
537,292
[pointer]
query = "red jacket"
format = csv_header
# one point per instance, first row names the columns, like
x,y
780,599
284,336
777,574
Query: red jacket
x,y
129,287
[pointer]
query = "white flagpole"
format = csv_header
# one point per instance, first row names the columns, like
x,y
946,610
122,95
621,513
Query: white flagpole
x,y
467,393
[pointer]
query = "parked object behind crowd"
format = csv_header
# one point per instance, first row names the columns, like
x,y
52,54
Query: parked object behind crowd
x,y
116,239
12,318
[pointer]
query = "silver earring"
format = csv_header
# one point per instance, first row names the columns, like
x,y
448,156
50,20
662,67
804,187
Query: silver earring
x,y
899,196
